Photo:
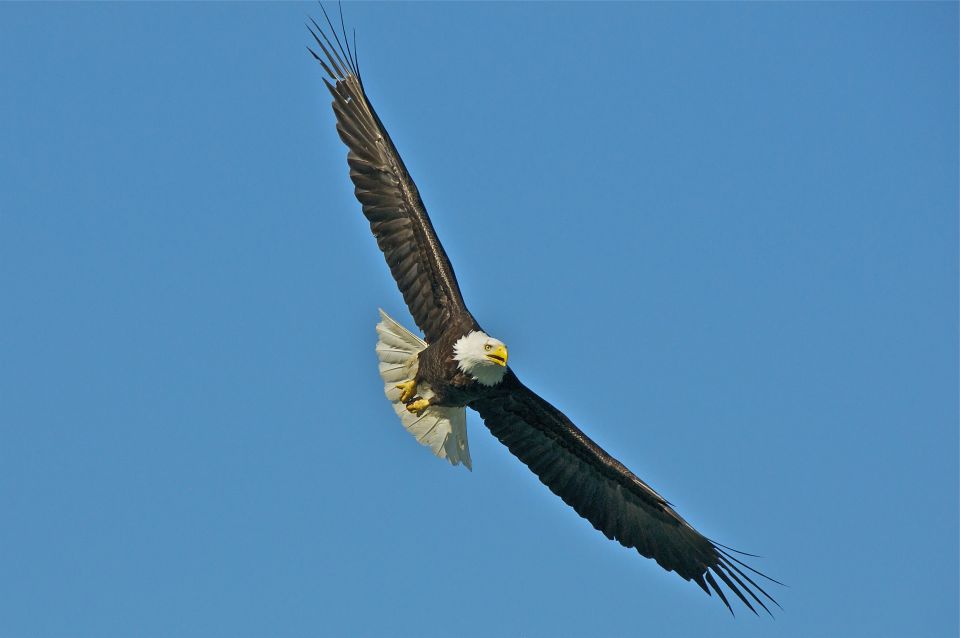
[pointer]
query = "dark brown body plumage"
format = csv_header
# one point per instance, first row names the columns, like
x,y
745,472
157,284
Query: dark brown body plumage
x,y
451,386
596,485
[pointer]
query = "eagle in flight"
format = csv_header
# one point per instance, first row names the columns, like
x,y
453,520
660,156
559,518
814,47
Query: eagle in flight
x,y
431,381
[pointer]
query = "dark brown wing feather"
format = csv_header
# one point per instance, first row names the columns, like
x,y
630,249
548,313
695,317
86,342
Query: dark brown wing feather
x,y
607,494
390,200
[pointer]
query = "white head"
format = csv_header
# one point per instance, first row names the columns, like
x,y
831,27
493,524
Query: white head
x,y
482,357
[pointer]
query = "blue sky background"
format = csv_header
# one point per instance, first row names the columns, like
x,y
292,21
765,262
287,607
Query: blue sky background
x,y
721,237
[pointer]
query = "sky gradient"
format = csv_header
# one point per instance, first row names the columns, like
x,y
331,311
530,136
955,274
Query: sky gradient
x,y
722,238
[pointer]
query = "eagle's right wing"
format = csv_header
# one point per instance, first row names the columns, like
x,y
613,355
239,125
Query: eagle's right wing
x,y
607,494
390,200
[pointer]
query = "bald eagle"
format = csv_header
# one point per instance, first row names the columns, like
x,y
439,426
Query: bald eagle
x,y
431,381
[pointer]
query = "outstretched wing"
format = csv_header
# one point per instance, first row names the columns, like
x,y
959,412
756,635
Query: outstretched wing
x,y
390,200
609,495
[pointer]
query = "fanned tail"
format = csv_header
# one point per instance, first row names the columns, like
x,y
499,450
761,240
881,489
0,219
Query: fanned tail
x,y
443,430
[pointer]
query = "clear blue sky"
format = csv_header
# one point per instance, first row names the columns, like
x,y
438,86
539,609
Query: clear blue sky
x,y
721,237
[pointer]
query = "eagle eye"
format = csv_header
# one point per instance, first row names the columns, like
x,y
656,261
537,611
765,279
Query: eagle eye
x,y
488,347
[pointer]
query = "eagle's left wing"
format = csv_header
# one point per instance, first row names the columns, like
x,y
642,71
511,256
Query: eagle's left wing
x,y
607,494
390,199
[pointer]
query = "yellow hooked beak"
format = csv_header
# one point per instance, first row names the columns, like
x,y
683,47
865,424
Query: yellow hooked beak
x,y
498,355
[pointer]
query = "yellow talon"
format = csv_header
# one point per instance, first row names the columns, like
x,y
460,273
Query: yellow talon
x,y
418,406
408,389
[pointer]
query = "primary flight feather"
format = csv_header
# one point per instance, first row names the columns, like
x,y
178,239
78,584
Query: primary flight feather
x,y
431,381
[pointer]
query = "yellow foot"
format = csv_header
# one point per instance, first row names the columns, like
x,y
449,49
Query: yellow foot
x,y
408,389
418,406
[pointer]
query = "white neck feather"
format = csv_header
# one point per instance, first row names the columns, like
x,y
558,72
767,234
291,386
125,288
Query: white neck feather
x,y
470,356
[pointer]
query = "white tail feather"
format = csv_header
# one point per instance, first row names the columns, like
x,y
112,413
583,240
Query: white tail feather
x,y
443,430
